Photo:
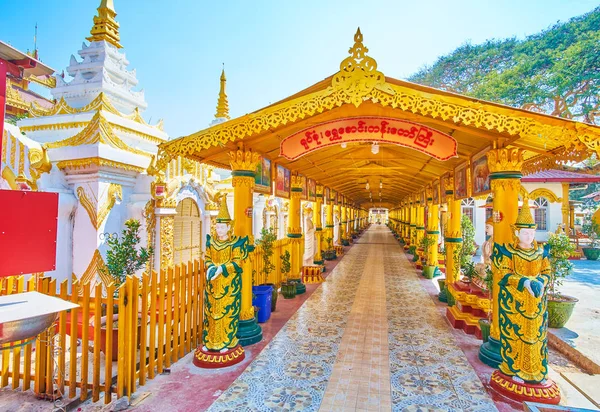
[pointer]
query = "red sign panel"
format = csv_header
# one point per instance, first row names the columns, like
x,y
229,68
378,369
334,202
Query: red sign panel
x,y
369,129
28,224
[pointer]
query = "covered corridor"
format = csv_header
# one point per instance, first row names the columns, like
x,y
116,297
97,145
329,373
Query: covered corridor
x,y
369,338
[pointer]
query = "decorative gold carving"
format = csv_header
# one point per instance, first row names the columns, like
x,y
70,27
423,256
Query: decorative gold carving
x,y
546,193
505,160
358,75
97,131
96,161
100,103
114,192
96,267
244,160
46,81
13,151
167,226
243,181
150,228
505,184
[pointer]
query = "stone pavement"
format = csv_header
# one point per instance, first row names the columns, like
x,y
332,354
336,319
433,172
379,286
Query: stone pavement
x,y
335,355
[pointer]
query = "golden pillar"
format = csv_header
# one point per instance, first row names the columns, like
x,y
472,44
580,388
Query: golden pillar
x,y
318,259
505,175
243,165
433,232
420,231
294,228
565,209
343,222
453,235
329,222
336,212
413,224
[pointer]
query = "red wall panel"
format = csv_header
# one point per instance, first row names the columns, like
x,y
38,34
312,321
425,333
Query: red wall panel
x,y
28,225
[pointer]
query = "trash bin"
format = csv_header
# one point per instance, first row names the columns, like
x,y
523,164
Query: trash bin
x,y
262,299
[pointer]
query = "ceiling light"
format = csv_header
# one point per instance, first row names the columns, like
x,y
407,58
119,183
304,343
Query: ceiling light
x,y
375,148
367,186
380,183
343,145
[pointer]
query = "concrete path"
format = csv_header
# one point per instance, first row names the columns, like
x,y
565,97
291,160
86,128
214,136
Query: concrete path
x,y
369,338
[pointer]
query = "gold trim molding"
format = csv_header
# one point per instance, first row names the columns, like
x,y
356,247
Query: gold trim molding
x,y
96,161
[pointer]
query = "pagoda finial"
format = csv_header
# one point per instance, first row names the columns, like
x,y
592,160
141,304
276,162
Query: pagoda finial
x,y
105,26
222,104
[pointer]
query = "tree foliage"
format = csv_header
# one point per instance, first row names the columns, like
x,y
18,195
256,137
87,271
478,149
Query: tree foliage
x,y
122,256
556,71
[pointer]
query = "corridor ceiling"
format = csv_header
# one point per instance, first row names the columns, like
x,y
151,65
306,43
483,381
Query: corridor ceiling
x,y
360,90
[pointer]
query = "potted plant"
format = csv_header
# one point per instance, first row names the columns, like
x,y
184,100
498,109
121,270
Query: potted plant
x,y
288,289
266,241
592,230
560,307
329,253
469,248
124,258
469,272
428,267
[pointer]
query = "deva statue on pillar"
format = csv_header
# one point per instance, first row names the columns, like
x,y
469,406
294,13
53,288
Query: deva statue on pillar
x,y
523,316
309,237
222,295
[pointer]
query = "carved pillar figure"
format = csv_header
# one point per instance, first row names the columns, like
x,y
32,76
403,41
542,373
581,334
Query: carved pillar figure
x,y
222,295
243,165
318,259
505,174
309,237
329,223
523,270
336,226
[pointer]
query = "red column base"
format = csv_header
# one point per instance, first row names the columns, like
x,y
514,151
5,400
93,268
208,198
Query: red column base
x,y
213,360
543,393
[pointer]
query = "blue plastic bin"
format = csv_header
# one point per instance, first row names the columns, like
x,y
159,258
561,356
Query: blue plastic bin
x,y
262,299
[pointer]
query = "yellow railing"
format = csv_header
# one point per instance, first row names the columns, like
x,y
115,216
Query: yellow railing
x,y
158,321
275,277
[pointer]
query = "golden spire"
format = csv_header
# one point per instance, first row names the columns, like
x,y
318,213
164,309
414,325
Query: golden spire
x,y
105,26
222,104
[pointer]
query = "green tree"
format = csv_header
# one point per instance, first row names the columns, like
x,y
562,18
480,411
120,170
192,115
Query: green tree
x,y
123,256
468,246
267,238
556,71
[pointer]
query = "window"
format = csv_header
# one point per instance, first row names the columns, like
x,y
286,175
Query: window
x,y
540,214
468,208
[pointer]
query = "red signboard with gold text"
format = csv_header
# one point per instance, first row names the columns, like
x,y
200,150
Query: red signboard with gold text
x,y
369,129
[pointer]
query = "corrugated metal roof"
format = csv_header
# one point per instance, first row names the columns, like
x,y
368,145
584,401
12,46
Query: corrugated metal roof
x,y
560,176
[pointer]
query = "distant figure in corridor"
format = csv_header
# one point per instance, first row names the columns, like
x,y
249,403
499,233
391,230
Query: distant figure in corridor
x,y
525,274
222,295
309,237
336,230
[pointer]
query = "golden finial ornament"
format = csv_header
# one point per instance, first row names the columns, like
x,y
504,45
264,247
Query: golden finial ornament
x,y
105,26
222,104
358,74
525,219
223,216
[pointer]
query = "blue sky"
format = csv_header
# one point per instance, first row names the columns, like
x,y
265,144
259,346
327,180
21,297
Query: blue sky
x,y
271,49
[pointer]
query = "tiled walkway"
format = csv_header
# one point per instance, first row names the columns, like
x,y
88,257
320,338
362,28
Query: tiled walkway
x,y
369,338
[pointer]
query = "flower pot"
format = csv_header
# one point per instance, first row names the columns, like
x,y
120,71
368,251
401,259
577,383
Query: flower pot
x,y
288,290
560,309
442,284
428,271
274,295
591,253
484,325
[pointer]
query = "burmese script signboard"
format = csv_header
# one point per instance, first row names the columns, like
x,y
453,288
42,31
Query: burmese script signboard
x,y
369,129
